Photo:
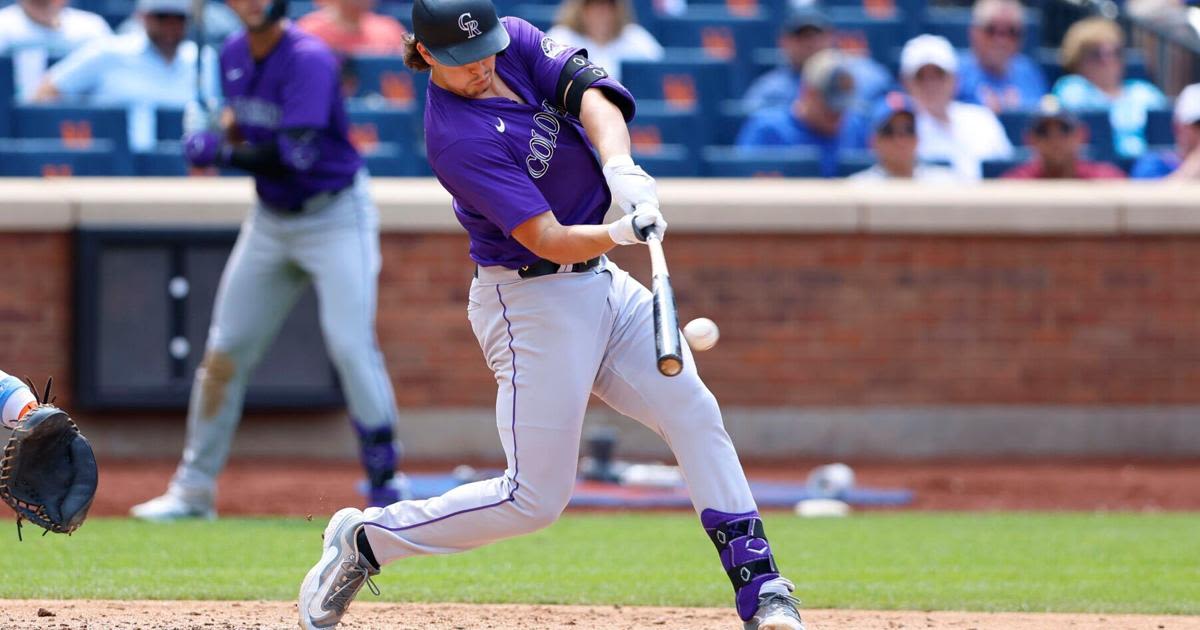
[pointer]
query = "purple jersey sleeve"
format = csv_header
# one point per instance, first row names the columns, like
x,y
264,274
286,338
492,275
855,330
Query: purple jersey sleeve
x,y
545,59
485,179
310,89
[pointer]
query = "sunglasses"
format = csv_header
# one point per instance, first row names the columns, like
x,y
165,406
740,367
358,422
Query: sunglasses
x,y
1047,128
167,16
1102,53
1009,31
898,130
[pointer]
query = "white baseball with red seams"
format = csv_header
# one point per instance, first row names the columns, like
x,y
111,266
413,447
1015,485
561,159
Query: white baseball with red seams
x,y
701,333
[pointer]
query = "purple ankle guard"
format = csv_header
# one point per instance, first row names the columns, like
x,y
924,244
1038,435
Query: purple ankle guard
x,y
377,451
742,544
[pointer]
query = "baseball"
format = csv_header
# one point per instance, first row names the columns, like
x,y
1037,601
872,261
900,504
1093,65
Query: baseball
x,y
701,333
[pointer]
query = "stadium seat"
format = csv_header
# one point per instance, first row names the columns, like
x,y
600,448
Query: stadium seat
x,y
1160,127
54,158
880,36
657,124
389,159
76,126
728,122
8,91
386,77
667,160
164,160
1015,124
684,79
539,15
1100,135
168,124
721,36
722,161
371,126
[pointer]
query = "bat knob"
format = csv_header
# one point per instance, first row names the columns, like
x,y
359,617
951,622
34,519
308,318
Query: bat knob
x,y
670,366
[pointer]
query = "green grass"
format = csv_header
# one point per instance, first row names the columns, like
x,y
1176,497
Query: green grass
x,y
1145,563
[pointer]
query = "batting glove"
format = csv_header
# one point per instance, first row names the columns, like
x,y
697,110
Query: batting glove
x,y
630,185
633,228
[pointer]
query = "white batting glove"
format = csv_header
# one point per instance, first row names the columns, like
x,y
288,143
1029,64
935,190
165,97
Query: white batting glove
x,y
632,229
630,185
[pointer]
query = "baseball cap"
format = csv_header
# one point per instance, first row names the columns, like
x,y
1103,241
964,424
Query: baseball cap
x,y
1050,108
172,7
826,72
893,103
458,32
1187,105
806,17
927,50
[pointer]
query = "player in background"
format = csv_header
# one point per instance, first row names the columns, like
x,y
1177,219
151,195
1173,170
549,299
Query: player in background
x,y
511,121
285,123
16,399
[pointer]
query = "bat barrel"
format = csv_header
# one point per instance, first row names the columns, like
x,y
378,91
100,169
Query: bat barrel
x,y
667,344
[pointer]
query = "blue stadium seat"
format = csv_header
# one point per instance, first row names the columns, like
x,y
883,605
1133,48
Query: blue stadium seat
x,y
389,159
668,160
721,36
539,15
1100,135
728,122
7,92
1015,124
684,79
386,77
1160,127
168,124
657,124
370,125
47,157
299,8
72,124
880,36
164,160
773,162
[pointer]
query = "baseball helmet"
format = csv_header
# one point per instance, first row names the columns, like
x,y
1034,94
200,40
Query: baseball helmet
x,y
458,32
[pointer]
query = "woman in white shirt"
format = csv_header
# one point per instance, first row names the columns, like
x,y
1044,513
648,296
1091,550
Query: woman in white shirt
x,y
606,28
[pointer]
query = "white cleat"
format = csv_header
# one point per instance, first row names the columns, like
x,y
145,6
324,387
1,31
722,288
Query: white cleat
x,y
776,612
174,506
338,576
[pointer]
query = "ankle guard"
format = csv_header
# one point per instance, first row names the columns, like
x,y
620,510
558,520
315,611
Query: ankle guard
x,y
378,453
742,544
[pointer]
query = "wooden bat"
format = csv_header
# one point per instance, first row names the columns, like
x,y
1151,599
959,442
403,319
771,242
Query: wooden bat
x,y
666,321
199,36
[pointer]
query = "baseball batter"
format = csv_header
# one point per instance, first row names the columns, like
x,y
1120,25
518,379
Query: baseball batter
x,y
314,222
511,122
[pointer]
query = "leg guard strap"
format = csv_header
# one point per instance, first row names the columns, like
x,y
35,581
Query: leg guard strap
x,y
741,541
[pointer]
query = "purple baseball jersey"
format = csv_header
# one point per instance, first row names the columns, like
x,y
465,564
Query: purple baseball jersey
x,y
506,162
295,87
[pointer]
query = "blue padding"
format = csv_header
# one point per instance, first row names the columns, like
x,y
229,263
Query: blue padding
x,y
762,162
668,160
684,74
8,92
65,122
387,77
34,158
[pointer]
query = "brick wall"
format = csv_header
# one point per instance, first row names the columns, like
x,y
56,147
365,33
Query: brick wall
x,y
805,319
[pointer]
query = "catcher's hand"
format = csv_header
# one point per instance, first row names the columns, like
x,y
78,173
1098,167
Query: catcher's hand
x,y
48,471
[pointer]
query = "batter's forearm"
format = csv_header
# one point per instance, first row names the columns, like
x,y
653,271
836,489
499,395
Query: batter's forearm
x,y
604,124
564,244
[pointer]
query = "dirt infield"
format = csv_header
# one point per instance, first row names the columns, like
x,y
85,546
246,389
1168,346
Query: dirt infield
x,y
321,488
169,615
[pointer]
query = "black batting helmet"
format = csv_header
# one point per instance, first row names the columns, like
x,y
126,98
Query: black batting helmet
x,y
458,32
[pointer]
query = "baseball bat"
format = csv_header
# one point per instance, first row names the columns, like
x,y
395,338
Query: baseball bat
x,y
199,37
666,321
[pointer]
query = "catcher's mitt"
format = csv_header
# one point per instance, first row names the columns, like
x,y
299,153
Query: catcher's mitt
x,y
48,471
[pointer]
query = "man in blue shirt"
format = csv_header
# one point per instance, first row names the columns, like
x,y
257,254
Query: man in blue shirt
x,y
140,71
817,117
1183,162
994,73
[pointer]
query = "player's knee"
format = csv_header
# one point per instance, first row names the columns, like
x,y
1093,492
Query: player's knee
x,y
213,377
346,348
543,509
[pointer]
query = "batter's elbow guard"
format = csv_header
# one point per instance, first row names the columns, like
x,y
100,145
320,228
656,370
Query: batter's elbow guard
x,y
576,77
298,149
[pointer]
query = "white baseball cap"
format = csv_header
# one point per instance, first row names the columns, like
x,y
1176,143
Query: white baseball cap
x,y
1187,105
927,50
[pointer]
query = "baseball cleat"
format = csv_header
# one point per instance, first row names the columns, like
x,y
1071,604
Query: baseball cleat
x,y
174,506
338,576
776,611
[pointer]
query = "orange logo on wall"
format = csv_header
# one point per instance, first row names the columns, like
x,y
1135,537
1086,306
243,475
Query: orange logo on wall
x,y
76,134
56,170
742,7
364,137
718,42
852,43
646,139
880,9
396,87
679,91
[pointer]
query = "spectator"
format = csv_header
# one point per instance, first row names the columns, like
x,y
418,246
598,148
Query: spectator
x,y
606,28
35,32
894,143
1093,52
1182,163
806,32
350,27
219,22
142,71
962,134
994,72
816,117
1056,137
